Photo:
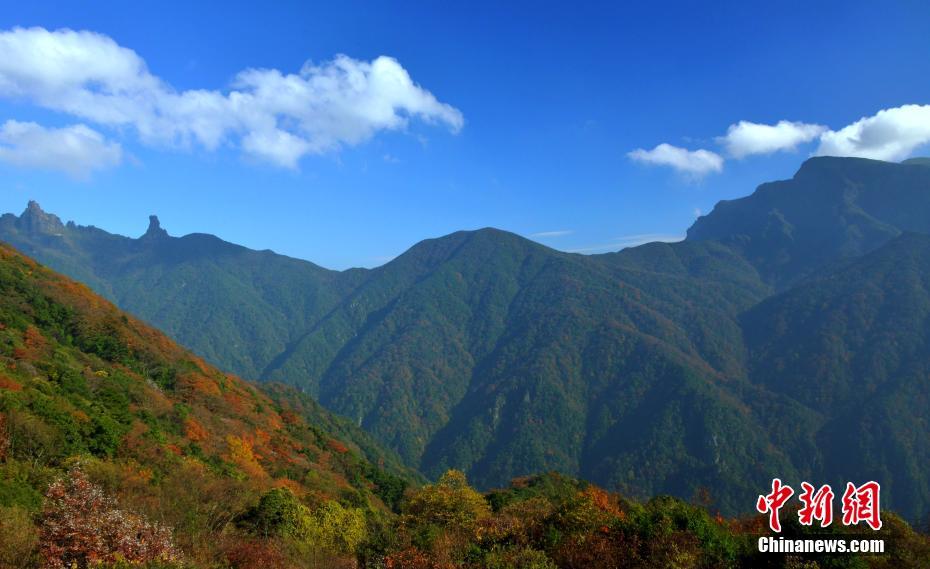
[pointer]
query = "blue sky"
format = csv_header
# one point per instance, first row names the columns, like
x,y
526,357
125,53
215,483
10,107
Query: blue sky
x,y
522,116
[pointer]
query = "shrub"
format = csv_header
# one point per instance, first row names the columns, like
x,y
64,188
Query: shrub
x,y
81,526
331,527
18,538
263,554
518,558
450,504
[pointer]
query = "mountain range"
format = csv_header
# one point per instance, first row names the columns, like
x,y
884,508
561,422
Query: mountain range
x,y
786,336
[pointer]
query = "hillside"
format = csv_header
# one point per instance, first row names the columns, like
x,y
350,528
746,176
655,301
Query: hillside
x,y
172,437
236,307
853,346
646,370
475,321
120,449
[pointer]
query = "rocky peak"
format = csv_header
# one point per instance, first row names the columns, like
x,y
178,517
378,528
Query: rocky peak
x,y
155,230
35,220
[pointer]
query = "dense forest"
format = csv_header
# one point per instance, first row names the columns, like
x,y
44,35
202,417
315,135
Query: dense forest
x,y
746,350
120,449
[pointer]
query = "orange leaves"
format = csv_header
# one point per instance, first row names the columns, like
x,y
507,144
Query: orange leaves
x,y
336,446
194,431
199,384
34,339
34,345
9,383
295,487
603,501
289,417
273,420
80,416
236,402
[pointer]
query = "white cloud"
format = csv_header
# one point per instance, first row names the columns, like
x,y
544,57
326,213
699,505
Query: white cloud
x,y
76,150
695,163
890,134
273,116
745,138
557,233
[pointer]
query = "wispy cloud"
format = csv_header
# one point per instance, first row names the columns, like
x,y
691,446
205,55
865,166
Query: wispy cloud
x,y
557,233
75,150
746,138
268,114
628,241
694,163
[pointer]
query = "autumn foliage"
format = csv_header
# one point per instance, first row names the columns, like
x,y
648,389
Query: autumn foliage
x,y
81,527
182,465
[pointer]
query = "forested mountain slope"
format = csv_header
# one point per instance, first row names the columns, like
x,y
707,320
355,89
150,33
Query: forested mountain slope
x,y
192,447
648,370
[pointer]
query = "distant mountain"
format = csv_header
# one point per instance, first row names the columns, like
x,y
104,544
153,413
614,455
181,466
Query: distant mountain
x,y
919,161
237,307
832,208
643,370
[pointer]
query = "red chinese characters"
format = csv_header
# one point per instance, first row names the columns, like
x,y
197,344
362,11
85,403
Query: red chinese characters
x,y
773,502
817,505
862,505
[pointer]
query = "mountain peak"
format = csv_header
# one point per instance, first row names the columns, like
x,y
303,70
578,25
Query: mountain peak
x,y
155,230
35,220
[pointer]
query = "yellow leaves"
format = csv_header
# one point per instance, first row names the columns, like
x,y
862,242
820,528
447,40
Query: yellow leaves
x,y
338,529
241,454
18,536
450,503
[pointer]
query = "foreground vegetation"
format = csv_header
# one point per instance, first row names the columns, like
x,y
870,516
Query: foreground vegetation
x,y
541,522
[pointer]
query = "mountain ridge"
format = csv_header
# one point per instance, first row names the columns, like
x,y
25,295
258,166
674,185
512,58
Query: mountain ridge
x,y
485,351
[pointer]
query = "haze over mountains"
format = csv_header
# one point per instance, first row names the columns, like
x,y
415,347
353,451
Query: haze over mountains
x,y
786,336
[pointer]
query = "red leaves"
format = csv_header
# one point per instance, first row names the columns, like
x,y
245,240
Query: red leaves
x,y
256,554
8,383
337,446
4,437
410,558
81,526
